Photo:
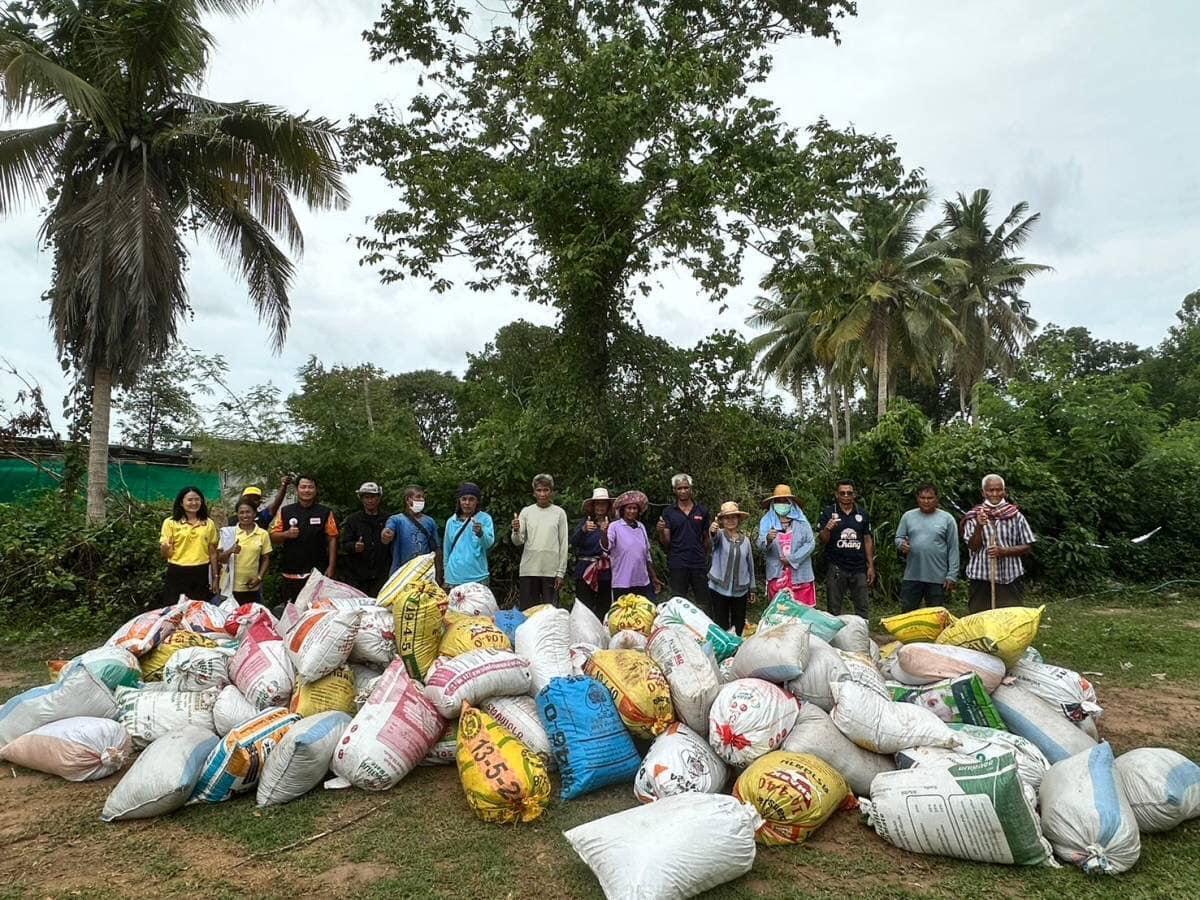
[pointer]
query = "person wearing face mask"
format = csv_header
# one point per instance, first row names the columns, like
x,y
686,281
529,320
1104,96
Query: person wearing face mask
x,y
365,559
786,540
997,536
412,533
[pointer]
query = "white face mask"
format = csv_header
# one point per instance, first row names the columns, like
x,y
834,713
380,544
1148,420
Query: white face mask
x,y
418,505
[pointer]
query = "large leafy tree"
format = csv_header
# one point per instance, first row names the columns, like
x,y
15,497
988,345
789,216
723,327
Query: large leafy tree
x,y
131,159
570,149
989,312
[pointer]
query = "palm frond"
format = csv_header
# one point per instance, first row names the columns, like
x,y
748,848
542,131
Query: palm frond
x,y
28,157
35,83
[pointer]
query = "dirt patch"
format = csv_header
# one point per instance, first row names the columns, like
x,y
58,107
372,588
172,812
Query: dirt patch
x,y
1158,716
342,879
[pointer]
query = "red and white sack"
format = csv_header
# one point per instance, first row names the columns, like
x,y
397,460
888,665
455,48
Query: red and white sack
x,y
1062,688
776,656
81,748
197,669
545,640
200,617
149,713
474,677
882,725
231,710
586,628
239,618
472,599
750,718
691,671
375,640
922,663
145,631
321,641
679,761
392,733
627,639
261,669
519,715
319,587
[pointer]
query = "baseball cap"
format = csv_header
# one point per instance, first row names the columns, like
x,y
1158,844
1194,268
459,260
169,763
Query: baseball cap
x,y
370,487
252,491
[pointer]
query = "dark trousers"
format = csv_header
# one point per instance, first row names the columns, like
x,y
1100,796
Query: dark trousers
x,y
915,594
642,590
289,590
254,596
535,589
191,581
598,601
696,578
838,583
1012,594
729,612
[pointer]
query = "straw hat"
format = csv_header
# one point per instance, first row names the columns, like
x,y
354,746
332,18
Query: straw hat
x,y
597,494
637,498
781,492
730,508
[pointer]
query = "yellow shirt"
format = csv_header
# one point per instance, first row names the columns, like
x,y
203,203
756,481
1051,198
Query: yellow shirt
x,y
193,543
254,546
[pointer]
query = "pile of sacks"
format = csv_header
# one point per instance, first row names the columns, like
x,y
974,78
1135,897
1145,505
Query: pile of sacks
x,y
955,739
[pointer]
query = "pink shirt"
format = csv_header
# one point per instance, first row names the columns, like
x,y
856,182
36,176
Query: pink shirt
x,y
629,550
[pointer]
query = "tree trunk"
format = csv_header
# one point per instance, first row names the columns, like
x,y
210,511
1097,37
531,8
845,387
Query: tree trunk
x,y
962,399
985,336
881,366
367,398
846,412
833,419
97,487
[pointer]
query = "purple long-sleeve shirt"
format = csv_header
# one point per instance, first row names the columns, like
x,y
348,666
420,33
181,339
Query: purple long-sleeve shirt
x,y
629,550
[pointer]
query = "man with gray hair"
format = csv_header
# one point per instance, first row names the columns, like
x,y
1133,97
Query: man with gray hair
x,y
997,536
683,533
540,529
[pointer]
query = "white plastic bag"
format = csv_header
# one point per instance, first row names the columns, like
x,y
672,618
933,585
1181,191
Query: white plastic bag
x,y
691,671
1162,787
149,714
162,778
301,760
854,637
197,669
579,654
678,761
520,716
375,640
1063,688
77,692
321,641
472,599
824,667
1085,814
261,669
884,726
586,628
777,656
672,849
544,640
815,734
474,677
230,710
749,718
392,733
1036,720
81,748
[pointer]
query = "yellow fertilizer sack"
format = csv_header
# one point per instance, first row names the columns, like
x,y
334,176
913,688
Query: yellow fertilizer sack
x,y
919,625
631,611
334,691
888,650
503,779
639,689
467,633
541,607
1005,632
155,661
417,622
793,792
418,570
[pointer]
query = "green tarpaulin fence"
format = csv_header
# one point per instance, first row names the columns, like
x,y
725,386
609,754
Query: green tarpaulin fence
x,y
20,480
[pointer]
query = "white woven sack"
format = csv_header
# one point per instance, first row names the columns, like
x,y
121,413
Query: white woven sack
x,y
586,628
1063,688
749,718
149,714
854,636
197,669
921,663
814,733
1162,787
1036,720
677,762
472,599
825,666
163,777
320,641
474,677
884,726
1085,814
545,640
375,640
81,748
778,655
520,716
78,692
231,709
628,639
300,760
1031,763
691,671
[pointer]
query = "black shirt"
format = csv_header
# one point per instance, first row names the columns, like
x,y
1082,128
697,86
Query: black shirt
x,y
687,536
300,555
375,562
846,548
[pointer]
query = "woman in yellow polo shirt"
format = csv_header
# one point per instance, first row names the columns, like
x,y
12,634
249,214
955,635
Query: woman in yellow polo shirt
x,y
188,542
251,554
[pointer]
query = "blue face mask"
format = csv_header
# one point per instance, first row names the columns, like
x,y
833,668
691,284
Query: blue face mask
x,y
781,509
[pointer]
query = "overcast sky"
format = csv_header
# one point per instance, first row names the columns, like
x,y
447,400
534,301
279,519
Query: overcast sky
x,y
1087,110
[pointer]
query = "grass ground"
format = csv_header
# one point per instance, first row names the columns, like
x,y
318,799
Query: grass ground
x,y
420,839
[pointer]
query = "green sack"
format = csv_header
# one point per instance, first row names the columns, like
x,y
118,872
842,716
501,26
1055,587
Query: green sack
x,y
784,608
953,700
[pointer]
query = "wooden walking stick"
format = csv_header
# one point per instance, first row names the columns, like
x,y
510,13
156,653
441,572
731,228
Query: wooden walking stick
x,y
991,542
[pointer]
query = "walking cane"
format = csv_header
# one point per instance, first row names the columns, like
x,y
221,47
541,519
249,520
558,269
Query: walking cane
x,y
991,541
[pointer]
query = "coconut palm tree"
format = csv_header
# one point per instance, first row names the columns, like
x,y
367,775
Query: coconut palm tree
x,y
986,290
891,308
130,161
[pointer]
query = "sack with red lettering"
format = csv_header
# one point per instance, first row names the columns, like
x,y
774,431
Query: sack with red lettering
x,y
749,719
321,641
260,667
390,735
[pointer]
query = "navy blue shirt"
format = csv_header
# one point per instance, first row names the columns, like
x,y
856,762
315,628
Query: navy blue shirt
x,y
687,536
846,548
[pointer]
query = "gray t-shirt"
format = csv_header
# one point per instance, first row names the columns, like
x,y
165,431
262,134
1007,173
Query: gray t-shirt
x,y
933,546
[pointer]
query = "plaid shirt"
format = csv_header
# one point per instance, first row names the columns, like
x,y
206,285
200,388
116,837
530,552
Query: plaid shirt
x,y
1009,533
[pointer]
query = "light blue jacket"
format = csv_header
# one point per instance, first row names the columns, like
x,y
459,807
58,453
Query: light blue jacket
x,y
803,544
468,561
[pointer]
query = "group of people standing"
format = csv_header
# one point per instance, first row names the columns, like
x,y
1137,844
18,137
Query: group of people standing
x,y
710,558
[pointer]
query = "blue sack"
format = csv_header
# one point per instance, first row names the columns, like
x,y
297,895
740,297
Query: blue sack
x,y
508,620
588,738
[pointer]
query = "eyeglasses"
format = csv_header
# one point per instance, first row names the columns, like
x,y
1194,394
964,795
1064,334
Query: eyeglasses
x,y
845,493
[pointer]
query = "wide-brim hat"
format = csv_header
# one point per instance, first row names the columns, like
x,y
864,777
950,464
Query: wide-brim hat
x,y
730,508
636,498
598,494
781,492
